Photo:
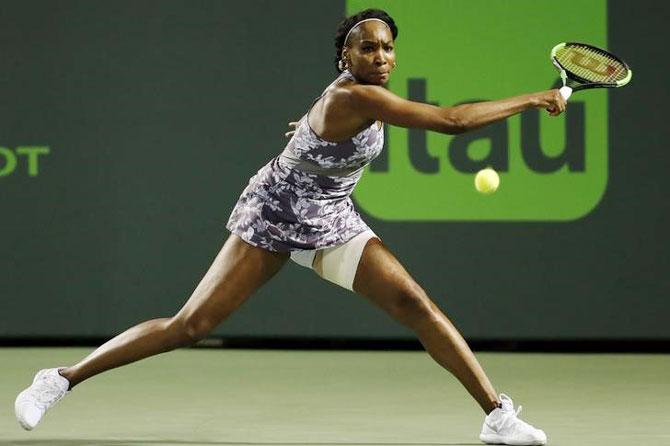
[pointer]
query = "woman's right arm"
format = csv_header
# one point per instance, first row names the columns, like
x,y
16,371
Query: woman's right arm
x,y
373,102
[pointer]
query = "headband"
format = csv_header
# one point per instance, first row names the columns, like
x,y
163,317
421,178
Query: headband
x,y
362,21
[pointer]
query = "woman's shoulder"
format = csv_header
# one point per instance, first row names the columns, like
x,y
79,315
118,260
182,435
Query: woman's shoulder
x,y
366,96
347,86
347,91
339,95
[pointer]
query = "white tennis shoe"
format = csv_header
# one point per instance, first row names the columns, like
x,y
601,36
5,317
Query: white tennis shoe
x,y
502,426
47,389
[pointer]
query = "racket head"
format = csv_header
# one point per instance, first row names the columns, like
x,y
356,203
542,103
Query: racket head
x,y
586,66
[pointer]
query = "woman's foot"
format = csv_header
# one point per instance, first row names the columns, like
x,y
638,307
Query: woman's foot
x,y
502,426
47,389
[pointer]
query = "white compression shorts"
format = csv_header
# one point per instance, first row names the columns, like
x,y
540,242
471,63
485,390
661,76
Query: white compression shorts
x,y
337,264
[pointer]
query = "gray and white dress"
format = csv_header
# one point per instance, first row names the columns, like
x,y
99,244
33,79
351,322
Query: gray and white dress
x,y
300,200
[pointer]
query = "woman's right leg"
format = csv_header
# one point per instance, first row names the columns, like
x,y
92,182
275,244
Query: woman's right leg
x,y
237,271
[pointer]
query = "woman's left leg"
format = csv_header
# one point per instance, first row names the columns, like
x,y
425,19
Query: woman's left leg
x,y
382,279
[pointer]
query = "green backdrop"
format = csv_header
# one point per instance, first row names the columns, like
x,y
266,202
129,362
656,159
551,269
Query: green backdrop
x,y
129,129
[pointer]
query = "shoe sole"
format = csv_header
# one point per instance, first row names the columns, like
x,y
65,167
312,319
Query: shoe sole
x,y
497,439
22,423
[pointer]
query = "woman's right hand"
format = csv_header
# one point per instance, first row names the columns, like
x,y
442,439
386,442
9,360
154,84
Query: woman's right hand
x,y
550,100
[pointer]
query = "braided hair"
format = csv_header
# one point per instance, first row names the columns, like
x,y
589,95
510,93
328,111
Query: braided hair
x,y
345,26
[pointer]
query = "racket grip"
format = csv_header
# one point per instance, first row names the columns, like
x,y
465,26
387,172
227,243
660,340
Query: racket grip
x,y
565,92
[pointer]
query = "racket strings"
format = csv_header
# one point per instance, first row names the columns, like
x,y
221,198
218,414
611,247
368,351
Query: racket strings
x,y
592,65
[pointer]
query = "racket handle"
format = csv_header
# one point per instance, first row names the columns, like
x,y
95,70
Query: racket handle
x,y
565,92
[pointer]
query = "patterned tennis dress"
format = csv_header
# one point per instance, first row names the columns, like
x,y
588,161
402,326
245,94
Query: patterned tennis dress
x,y
300,200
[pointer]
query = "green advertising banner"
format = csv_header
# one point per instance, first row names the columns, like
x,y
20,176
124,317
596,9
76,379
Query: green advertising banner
x,y
455,51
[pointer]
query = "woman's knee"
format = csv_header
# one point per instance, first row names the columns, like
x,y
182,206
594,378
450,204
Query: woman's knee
x,y
411,305
189,330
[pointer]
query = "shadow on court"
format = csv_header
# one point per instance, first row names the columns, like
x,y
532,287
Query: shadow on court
x,y
83,442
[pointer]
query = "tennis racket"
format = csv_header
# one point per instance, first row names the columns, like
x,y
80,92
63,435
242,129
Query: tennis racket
x,y
584,66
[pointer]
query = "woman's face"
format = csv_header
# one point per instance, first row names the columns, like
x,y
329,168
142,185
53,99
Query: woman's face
x,y
370,53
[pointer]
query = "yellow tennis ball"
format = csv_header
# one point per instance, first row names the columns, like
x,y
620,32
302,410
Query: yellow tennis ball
x,y
487,181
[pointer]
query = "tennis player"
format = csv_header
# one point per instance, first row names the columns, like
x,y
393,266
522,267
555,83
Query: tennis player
x,y
298,206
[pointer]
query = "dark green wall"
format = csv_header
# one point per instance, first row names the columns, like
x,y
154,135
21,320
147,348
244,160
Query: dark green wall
x,y
157,112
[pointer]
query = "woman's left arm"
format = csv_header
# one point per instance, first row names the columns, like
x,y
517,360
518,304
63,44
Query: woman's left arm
x,y
479,114
372,102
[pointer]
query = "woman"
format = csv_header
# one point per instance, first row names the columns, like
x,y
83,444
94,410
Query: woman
x,y
298,207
